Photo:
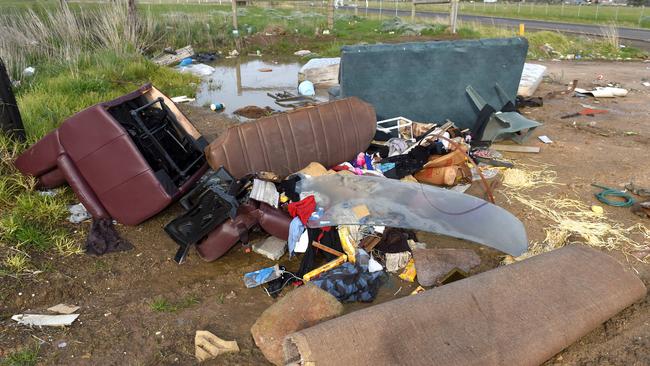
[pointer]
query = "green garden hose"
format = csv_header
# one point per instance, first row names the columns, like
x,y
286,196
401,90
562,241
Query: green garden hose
x,y
611,192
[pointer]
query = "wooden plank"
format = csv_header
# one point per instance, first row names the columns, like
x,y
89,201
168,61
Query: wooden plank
x,y
516,148
326,249
169,59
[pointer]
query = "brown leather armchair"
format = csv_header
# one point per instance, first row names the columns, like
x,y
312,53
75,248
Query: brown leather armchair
x,y
125,159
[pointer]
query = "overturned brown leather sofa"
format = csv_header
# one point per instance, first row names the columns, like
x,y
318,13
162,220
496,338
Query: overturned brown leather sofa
x,y
125,159
328,133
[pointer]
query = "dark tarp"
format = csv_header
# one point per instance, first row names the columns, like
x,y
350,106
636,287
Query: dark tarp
x,y
426,81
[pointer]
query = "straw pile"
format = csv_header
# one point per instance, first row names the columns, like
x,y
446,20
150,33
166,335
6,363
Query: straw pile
x,y
571,220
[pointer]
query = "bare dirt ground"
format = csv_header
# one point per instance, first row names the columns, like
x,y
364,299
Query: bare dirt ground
x,y
118,326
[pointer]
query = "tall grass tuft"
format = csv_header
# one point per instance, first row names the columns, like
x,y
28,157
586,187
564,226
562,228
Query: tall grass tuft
x,y
65,36
610,34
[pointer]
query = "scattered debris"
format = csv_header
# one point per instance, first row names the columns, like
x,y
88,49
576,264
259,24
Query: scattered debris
x,y
63,309
302,53
272,248
642,209
545,139
201,70
306,88
208,346
531,77
433,265
322,72
264,191
262,276
215,107
639,191
43,320
603,92
598,210
169,58
29,71
182,99
516,148
254,112
586,112
265,69
78,213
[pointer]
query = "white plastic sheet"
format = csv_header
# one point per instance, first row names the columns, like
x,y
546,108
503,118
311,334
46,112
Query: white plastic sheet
x,y
362,200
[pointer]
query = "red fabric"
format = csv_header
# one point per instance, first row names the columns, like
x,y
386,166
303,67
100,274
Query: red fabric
x,y
303,209
323,230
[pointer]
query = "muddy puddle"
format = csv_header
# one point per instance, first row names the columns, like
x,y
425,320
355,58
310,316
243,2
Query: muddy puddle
x,y
239,82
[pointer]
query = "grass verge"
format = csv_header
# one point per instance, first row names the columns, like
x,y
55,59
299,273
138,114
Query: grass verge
x,y
163,305
25,357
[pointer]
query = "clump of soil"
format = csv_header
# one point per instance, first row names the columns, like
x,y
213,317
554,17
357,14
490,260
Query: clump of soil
x,y
254,112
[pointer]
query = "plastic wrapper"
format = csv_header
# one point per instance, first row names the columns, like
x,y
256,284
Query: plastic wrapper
x,y
262,276
415,206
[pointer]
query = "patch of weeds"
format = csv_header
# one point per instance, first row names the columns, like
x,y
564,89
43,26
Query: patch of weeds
x,y
467,32
162,305
25,357
188,301
100,266
16,263
67,246
221,298
165,306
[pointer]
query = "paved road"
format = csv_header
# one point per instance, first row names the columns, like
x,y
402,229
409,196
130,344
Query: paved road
x,y
638,35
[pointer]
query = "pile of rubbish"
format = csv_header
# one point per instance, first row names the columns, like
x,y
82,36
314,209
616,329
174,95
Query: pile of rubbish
x,y
347,187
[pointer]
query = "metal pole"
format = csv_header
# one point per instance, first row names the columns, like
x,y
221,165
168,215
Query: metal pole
x,y
519,8
562,11
597,7
235,26
412,11
616,17
641,16
380,9
395,8
330,14
453,15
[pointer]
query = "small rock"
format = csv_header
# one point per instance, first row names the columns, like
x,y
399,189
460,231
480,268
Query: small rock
x,y
433,264
272,248
301,308
231,295
62,344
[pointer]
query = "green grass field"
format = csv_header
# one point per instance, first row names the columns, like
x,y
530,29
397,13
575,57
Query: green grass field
x,y
628,16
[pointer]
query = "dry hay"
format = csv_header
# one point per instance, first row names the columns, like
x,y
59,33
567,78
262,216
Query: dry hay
x,y
571,220
529,176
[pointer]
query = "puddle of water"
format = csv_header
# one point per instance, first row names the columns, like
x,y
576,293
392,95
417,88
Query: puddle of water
x,y
238,83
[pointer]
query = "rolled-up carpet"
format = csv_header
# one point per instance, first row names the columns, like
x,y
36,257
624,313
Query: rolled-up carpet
x,y
521,314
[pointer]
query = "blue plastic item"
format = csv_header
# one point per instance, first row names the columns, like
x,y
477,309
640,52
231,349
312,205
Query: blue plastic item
x,y
306,88
186,62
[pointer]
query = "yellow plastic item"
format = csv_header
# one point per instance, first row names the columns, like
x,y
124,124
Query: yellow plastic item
x,y
409,271
598,210
325,267
418,290
284,198
349,246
